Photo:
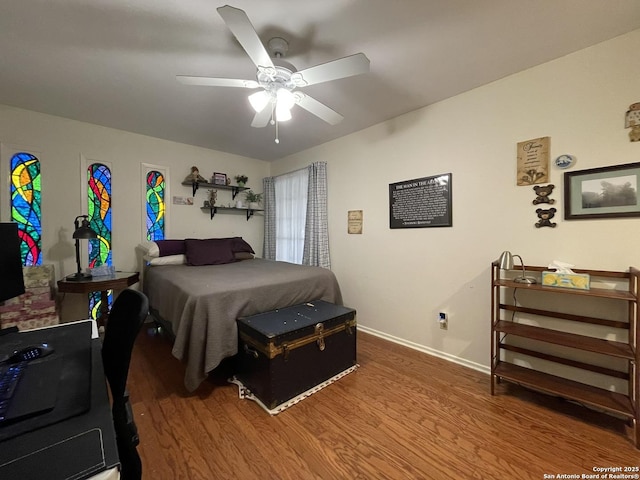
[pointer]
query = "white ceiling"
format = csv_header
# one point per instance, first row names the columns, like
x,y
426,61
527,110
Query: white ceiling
x,y
113,62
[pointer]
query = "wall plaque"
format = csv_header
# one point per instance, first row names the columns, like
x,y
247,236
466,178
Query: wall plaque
x,y
423,202
354,222
533,161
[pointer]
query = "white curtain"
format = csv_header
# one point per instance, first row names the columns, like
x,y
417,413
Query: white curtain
x,y
291,212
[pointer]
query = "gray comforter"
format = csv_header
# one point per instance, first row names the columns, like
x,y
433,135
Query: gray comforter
x,y
203,303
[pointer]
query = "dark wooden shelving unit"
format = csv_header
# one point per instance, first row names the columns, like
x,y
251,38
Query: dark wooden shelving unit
x,y
504,325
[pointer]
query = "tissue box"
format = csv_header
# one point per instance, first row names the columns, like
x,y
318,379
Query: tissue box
x,y
579,281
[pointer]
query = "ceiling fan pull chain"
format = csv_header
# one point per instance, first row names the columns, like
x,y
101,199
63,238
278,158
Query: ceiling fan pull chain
x,y
277,139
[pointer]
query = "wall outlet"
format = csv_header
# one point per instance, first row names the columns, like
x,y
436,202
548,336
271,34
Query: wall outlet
x,y
443,321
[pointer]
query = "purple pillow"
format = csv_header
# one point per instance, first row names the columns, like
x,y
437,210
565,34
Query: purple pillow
x,y
171,247
212,251
239,245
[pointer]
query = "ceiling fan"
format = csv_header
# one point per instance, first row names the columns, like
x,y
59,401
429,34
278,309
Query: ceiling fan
x,y
279,80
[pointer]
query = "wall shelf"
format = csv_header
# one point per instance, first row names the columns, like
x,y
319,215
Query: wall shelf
x,y
213,210
505,325
196,185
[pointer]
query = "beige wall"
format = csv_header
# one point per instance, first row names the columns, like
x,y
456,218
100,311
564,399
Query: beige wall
x,y
62,143
398,280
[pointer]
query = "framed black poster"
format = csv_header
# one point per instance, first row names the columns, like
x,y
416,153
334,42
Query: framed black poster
x,y
419,203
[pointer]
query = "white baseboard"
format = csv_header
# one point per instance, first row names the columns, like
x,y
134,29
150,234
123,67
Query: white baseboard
x,y
427,350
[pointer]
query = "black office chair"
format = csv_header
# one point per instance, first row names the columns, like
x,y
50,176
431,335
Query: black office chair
x,y
125,320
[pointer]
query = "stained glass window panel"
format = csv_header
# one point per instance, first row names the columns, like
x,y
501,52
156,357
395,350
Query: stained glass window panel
x,y
155,205
25,206
99,210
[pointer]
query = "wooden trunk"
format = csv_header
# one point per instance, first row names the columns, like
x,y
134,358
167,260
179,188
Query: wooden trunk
x,y
288,351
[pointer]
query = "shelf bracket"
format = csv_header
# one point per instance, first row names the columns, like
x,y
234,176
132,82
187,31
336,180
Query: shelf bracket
x,y
194,188
234,192
214,210
249,214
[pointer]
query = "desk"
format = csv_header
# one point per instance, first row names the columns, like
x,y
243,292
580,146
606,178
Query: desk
x,y
117,281
36,450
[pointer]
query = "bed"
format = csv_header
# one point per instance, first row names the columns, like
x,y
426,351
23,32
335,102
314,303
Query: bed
x,y
201,302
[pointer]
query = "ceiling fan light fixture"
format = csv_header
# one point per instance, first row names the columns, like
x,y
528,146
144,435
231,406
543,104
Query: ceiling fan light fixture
x,y
277,78
259,100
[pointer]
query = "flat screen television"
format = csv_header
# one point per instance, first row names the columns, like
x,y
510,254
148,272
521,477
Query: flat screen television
x,y
11,279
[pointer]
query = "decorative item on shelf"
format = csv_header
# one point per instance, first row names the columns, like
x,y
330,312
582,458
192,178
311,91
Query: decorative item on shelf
x,y
240,204
206,204
254,199
545,216
632,121
506,263
241,180
228,181
194,176
213,197
82,230
543,192
219,178
564,277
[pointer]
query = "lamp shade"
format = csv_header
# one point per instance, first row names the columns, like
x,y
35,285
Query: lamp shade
x,y
84,231
506,261
282,114
259,100
285,98
284,104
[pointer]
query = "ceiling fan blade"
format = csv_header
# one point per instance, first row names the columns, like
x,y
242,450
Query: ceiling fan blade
x,y
243,30
340,68
320,110
217,82
261,119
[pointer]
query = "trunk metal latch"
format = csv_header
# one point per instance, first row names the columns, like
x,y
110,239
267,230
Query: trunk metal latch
x,y
319,330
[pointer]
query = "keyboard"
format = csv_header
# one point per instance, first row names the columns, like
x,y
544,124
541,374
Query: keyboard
x,y
10,375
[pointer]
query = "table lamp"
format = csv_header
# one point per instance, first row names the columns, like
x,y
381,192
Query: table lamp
x,y
82,230
506,263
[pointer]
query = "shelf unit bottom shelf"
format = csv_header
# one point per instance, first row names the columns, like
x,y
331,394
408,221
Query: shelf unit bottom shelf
x,y
562,387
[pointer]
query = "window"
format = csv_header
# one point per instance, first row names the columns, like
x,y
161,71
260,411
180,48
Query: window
x,y
25,206
155,200
291,212
99,208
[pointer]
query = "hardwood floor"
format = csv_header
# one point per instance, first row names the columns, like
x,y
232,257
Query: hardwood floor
x,y
402,415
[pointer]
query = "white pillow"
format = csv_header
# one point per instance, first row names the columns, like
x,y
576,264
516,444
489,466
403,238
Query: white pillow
x,y
166,260
149,249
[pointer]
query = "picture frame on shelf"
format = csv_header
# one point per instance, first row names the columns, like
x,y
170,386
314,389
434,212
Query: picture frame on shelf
x,y
604,192
219,178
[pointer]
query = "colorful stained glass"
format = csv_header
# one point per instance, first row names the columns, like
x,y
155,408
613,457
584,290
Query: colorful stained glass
x,y
155,206
25,206
99,203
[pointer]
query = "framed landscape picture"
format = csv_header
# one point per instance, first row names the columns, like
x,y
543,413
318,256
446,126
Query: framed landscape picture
x,y
605,192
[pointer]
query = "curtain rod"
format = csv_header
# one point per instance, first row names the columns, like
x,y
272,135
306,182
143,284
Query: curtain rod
x,y
296,170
